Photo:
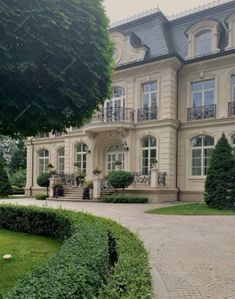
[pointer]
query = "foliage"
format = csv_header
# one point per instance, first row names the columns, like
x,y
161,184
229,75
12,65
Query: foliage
x,y
5,186
190,209
43,180
55,67
120,179
124,199
17,190
88,184
18,157
18,178
81,269
28,254
41,196
220,177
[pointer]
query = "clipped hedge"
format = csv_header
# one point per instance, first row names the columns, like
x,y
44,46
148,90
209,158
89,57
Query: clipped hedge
x,y
98,259
124,199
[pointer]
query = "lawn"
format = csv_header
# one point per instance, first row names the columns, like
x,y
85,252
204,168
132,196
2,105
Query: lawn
x,y
190,209
28,251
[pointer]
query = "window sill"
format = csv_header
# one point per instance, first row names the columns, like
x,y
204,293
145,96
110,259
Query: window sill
x,y
197,178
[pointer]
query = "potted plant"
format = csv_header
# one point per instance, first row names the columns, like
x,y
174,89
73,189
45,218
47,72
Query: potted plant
x,y
153,163
58,189
97,171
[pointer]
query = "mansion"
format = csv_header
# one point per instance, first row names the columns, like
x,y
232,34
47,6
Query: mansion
x,y
173,97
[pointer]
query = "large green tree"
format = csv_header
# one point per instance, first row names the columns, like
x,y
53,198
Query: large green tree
x,y
18,157
5,186
55,64
220,178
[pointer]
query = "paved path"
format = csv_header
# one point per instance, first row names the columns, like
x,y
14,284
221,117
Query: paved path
x,y
191,257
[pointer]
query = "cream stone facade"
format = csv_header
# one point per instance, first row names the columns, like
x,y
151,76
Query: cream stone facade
x,y
169,104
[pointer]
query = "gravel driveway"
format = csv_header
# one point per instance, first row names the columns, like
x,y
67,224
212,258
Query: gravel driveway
x,y
191,257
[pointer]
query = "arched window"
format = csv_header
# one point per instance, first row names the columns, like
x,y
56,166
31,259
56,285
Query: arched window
x,y
202,148
116,157
81,157
43,160
203,43
149,153
60,161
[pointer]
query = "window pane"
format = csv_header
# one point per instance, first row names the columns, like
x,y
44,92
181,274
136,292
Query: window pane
x,y
145,100
210,84
153,100
196,162
197,99
153,153
145,87
153,142
196,153
208,141
196,171
145,142
203,43
209,97
153,86
197,142
196,86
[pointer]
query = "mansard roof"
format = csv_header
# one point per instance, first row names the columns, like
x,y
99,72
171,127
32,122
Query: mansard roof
x,y
165,37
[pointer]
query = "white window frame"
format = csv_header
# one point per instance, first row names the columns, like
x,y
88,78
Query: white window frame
x,y
198,42
113,107
148,149
149,93
202,149
83,155
43,156
60,160
117,150
203,91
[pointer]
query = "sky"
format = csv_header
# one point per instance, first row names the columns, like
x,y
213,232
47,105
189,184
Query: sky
x,y
121,9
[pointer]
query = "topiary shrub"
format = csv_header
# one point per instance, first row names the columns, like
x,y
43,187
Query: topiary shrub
x,y
124,199
120,179
5,186
221,177
43,180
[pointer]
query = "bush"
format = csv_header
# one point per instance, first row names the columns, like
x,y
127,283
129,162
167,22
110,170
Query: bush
x,y
221,177
124,199
40,196
17,190
5,186
120,179
99,258
43,180
18,178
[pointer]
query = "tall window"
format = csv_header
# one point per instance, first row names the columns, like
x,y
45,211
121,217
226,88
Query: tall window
x,y
203,43
149,95
203,93
43,160
115,106
233,88
116,157
202,148
81,157
149,152
61,160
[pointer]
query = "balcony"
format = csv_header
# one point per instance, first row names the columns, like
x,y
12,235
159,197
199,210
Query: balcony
x,y
202,112
231,108
111,119
149,113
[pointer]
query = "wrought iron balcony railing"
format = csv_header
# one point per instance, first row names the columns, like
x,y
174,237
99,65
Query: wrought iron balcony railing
x,y
231,108
149,113
202,112
113,115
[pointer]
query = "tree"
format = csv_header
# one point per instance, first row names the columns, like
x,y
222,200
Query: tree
x,y
220,177
43,180
55,64
120,179
18,158
18,178
5,186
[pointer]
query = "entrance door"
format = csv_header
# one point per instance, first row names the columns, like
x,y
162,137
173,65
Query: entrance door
x,y
115,158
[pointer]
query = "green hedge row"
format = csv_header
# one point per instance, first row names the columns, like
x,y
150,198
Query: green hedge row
x,y
82,267
124,199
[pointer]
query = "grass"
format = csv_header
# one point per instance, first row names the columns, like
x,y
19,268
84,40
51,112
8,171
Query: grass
x,y
190,209
28,251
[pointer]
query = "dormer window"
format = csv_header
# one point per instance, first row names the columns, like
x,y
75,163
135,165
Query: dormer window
x,y
231,31
203,38
203,43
